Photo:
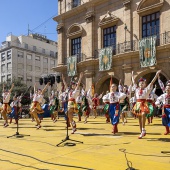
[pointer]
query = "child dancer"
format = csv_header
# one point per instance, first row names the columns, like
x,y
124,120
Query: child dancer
x,y
95,101
71,100
165,99
114,108
35,108
6,109
79,105
124,103
141,106
106,108
151,104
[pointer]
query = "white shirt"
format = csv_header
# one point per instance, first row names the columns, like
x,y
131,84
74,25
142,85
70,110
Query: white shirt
x,y
79,99
164,98
15,103
6,97
114,97
38,98
145,92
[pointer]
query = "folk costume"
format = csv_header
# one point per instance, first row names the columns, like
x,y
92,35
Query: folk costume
x,y
124,103
151,104
79,106
106,109
95,101
114,107
5,108
165,100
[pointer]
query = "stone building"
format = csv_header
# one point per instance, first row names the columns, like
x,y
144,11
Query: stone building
x,y
87,26
27,58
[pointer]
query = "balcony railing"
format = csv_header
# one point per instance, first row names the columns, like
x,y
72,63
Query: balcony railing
x,y
128,46
80,57
74,4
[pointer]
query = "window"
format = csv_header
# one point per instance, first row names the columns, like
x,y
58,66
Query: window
x,y
37,58
2,56
20,54
37,68
52,62
9,66
34,48
20,78
76,3
29,56
109,36
76,46
3,68
2,78
45,60
52,53
29,79
9,77
150,24
43,51
8,55
29,68
26,46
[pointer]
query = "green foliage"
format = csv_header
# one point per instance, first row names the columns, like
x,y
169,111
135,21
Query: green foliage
x,y
19,88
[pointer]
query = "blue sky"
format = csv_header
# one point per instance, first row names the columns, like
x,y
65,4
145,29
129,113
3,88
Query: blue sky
x,y
17,14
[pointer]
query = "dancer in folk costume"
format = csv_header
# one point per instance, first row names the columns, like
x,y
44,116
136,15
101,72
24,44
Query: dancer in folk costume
x,y
31,98
114,108
165,100
54,105
86,103
161,84
132,104
35,108
106,108
95,101
141,107
124,103
16,106
72,94
151,104
5,108
79,105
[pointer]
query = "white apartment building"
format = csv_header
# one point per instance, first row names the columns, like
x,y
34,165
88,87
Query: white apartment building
x,y
27,58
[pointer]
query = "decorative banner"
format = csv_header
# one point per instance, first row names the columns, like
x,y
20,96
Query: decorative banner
x,y
105,59
147,51
72,65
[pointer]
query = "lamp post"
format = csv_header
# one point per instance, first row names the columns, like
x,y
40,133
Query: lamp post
x,y
125,28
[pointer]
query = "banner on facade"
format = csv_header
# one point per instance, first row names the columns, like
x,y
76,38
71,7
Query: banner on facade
x,y
72,65
147,51
105,59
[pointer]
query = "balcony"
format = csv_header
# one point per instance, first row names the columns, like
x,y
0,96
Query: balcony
x,y
129,46
80,57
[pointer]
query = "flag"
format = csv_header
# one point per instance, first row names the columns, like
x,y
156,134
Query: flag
x,y
147,51
72,65
105,59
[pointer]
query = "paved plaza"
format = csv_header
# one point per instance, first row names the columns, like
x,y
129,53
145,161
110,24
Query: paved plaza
x,y
101,150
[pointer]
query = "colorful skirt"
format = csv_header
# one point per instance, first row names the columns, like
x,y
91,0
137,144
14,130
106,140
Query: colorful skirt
x,y
140,107
151,109
106,109
123,107
79,109
114,112
5,107
166,116
36,107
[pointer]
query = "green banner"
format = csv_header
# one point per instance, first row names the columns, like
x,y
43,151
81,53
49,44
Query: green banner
x,y
72,65
147,51
105,59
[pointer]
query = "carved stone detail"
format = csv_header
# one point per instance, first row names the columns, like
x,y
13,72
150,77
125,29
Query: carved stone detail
x,y
108,19
60,28
126,4
74,30
89,16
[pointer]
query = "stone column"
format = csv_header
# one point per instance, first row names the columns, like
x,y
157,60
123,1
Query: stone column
x,y
90,38
89,78
60,31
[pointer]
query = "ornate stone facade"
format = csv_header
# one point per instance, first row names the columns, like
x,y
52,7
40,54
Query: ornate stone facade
x,y
88,19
